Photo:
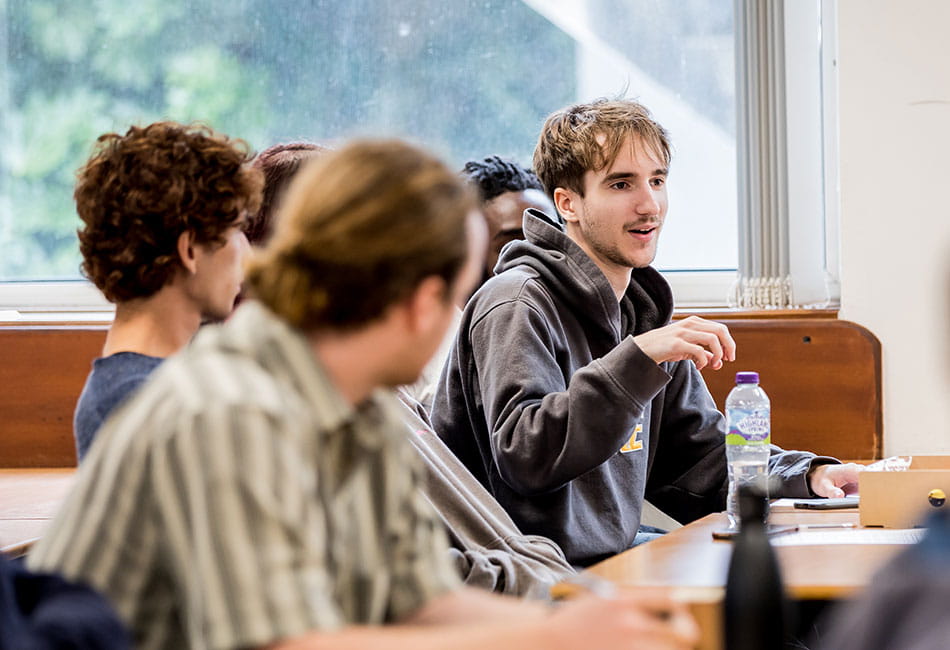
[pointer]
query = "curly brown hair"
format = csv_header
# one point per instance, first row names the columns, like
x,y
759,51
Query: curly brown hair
x,y
360,229
140,191
588,137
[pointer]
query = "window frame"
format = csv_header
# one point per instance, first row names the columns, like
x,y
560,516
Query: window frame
x,y
812,134
810,27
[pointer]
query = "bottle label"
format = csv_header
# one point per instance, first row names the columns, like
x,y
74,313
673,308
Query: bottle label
x,y
748,427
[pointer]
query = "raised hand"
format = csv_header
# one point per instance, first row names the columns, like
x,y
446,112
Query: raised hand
x,y
706,342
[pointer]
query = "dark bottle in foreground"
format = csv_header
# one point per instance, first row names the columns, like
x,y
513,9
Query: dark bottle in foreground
x,y
755,607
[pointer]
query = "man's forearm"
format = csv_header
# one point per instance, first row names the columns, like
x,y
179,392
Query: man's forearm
x,y
557,435
504,636
466,618
470,605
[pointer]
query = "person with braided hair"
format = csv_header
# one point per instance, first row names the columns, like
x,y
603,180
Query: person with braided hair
x,y
506,190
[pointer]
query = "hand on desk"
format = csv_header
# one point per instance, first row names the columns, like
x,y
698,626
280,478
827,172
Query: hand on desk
x,y
834,481
645,618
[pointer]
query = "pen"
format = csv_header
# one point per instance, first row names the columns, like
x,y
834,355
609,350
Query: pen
x,y
775,530
802,527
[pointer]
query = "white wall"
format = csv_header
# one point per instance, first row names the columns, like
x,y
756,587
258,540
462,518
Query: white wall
x,y
894,125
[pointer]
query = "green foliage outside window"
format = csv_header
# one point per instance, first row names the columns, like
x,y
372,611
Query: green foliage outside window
x,y
466,78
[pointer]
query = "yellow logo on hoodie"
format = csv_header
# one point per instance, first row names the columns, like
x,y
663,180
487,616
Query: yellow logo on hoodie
x,y
633,444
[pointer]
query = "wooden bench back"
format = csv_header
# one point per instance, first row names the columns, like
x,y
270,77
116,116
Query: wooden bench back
x,y
42,372
823,378
822,375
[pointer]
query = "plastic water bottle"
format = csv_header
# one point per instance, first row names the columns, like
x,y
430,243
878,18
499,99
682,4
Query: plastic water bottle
x,y
748,434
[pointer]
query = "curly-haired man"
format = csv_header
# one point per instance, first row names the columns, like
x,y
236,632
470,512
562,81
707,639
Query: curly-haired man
x,y
163,210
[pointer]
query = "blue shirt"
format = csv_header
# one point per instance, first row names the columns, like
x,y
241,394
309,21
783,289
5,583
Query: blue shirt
x,y
112,380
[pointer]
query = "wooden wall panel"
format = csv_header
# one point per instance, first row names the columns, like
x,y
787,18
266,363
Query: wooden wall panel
x,y
822,375
823,378
42,372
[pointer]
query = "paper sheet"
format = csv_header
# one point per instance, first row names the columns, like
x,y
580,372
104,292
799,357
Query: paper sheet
x,y
850,536
786,504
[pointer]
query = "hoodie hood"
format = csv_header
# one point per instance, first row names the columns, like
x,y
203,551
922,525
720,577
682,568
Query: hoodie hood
x,y
577,281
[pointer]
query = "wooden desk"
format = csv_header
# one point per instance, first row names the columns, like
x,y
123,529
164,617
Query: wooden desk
x,y
689,557
695,565
28,500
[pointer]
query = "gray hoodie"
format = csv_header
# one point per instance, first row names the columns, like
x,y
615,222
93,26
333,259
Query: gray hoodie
x,y
550,403
489,550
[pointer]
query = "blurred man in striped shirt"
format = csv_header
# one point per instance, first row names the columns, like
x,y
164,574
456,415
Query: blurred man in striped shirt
x,y
260,490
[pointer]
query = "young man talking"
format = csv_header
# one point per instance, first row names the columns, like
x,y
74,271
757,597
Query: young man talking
x,y
570,394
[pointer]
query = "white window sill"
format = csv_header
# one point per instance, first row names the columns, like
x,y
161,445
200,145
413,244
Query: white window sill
x,y
80,302
52,303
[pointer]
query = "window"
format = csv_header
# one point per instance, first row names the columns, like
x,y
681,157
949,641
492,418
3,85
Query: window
x,y
467,78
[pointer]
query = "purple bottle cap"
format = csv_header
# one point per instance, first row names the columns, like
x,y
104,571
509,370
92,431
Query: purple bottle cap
x,y
747,377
